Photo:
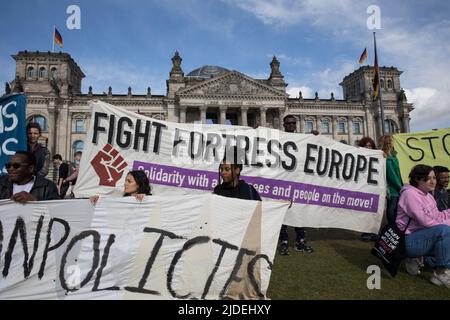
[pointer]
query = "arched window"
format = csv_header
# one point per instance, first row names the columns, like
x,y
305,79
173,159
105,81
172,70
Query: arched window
x,y
390,126
382,83
326,126
42,73
41,120
357,127
54,72
78,146
30,72
389,84
342,126
309,125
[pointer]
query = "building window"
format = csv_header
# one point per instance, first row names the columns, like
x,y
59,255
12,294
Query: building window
x,y
41,121
54,73
42,73
357,127
382,83
390,126
389,84
342,127
326,126
79,126
309,126
78,146
30,72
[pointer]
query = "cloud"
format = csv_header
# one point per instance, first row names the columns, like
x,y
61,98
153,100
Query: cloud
x,y
307,92
102,74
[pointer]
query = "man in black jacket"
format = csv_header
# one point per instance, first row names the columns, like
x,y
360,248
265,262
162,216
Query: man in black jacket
x,y
40,152
22,185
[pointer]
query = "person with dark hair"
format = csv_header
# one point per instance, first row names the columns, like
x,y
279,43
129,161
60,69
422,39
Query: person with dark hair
x,y
136,185
22,184
367,142
72,179
229,171
440,193
40,152
427,231
63,173
290,125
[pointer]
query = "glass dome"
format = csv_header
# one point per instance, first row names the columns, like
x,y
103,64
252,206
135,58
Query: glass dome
x,y
207,72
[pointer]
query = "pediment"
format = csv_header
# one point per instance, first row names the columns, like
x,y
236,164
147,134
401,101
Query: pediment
x,y
232,84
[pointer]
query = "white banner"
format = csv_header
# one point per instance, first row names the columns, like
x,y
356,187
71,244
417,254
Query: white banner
x,y
331,184
180,247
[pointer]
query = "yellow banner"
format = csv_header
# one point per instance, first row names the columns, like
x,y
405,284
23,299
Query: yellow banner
x,y
427,147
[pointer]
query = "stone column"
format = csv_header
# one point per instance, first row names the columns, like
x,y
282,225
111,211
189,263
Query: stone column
x,y
244,121
182,114
318,123
223,114
263,111
350,130
335,127
302,128
52,124
203,114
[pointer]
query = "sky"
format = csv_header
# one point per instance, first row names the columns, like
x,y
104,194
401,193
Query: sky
x,y
318,43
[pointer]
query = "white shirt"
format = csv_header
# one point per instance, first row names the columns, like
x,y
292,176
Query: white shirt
x,y
23,187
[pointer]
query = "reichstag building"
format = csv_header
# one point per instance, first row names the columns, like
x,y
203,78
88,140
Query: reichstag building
x,y
209,94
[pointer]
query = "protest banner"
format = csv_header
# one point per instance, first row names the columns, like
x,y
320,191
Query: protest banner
x,y
427,147
182,247
331,184
12,127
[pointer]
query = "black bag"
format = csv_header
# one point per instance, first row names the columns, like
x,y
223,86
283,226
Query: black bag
x,y
390,247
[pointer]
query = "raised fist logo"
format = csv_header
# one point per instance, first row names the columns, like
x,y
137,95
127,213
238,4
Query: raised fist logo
x,y
109,166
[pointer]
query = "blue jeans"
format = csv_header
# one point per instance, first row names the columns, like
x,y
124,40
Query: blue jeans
x,y
299,232
433,243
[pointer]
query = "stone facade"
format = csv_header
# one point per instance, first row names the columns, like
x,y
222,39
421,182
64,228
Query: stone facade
x,y
211,94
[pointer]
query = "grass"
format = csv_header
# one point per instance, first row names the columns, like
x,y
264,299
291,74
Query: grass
x,y
337,270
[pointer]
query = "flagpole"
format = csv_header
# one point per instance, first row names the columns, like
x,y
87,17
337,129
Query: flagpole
x,y
53,37
380,97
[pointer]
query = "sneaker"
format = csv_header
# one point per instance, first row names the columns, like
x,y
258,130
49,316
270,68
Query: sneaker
x,y
413,265
301,246
284,249
441,279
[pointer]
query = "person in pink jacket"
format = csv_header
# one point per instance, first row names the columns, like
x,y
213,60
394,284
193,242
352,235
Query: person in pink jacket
x,y
428,233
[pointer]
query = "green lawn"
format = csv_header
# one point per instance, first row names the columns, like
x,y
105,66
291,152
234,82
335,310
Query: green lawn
x,y
337,270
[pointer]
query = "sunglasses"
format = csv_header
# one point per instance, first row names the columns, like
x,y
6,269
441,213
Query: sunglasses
x,y
291,122
15,165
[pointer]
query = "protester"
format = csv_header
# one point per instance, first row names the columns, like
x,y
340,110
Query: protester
x,y
40,152
22,184
393,176
63,172
440,193
290,125
428,231
72,179
367,142
136,185
230,170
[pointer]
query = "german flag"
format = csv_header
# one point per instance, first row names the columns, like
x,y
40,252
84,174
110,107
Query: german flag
x,y
363,56
376,81
58,38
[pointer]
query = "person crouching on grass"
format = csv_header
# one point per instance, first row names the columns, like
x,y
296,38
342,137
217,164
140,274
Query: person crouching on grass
x,y
229,171
136,185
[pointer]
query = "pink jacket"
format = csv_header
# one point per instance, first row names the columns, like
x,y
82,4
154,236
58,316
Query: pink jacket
x,y
421,208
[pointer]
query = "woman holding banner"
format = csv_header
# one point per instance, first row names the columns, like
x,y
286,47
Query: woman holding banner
x,y
428,231
136,185
393,176
230,171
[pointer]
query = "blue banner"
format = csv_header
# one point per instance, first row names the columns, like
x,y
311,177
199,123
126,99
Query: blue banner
x,y
12,127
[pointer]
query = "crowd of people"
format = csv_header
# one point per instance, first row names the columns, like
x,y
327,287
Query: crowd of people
x,y
421,207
